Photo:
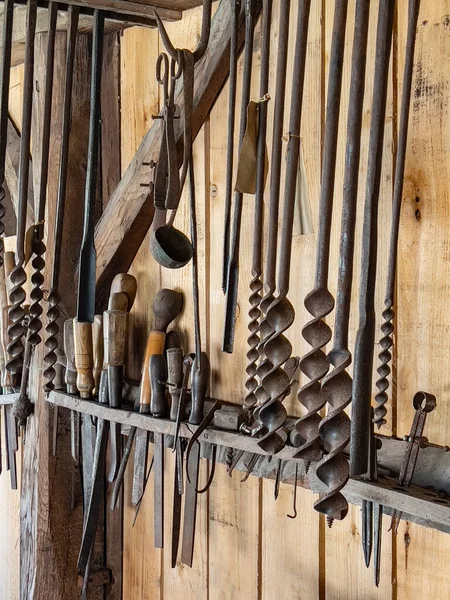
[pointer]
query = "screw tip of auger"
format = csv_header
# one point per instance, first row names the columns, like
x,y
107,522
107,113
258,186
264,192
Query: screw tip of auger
x,y
330,521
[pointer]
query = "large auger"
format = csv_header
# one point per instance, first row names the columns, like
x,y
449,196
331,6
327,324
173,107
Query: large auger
x,y
320,302
334,429
281,314
53,312
387,328
265,330
256,285
18,277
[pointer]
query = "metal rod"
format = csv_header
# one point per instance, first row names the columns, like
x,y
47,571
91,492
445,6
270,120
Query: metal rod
x,y
53,312
388,315
256,285
334,429
365,339
281,314
233,263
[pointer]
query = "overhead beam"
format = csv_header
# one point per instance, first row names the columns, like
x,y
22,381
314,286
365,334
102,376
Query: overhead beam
x,y
129,213
129,14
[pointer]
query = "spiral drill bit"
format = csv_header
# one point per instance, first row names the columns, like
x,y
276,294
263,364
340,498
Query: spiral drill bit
x,y
334,429
280,315
265,331
365,338
233,259
18,277
5,71
37,245
320,302
256,284
53,312
388,314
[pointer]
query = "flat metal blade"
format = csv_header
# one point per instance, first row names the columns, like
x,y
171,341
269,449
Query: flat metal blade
x,y
176,506
158,490
140,459
190,507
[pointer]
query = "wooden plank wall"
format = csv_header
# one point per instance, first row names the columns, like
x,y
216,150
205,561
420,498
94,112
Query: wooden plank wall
x,y
246,547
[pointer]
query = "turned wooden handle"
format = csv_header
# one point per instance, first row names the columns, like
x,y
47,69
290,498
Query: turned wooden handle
x,y
84,357
97,346
175,377
69,351
199,388
127,284
158,374
115,337
155,345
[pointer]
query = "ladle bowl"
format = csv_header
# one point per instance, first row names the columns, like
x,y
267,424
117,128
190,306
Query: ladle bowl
x,y
170,247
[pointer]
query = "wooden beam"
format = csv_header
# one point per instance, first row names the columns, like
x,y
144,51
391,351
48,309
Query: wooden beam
x,y
129,213
114,22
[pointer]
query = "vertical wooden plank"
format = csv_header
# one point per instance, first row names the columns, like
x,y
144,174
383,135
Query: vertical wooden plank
x,y
292,547
10,539
423,273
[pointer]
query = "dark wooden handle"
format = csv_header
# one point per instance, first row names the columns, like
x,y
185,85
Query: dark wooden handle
x,y
115,337
199,388
97,344
155,345
84,357
158,374
174,377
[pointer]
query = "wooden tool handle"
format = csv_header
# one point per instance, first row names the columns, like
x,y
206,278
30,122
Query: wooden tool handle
x,y
84,358
115,337
97,346
155,345
158,374
127,284
174,377
69,350
199,387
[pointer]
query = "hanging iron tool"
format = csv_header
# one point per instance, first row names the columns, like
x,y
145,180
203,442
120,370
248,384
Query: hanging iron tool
x,y
233,259
320,302
199,387
22,406
115,335
256,284
53,312
334,429
280,314
265,329
232,81
87,266
16,330
115,326
370,512
5,72
167,305
388,315
98,349
365,339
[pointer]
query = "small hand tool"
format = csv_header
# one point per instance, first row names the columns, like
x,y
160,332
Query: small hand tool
x,y
16,330
280,314
174,358
368,509
233,259
159,408
178,490
121,299
167,305
98,349
256,284
423,404
199,386
365,338
232,83
336,390
388,315
188,361
265,329
53,312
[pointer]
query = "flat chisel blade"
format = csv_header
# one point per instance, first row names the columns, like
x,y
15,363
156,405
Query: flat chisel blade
x,y
190,507
140,459
158,490
176,506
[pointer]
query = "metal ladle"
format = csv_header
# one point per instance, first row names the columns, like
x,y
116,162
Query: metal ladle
x,y
169,246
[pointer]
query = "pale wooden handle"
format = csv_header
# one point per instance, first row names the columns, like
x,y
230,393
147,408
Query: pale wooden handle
x,y
155,345
127,284
115,336
69,350
84,357
97,344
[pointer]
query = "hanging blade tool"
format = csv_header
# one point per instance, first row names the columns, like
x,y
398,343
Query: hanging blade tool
x,y
199,387
53,311
388,315
22,407
159,408
233,259
167,305
365,338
